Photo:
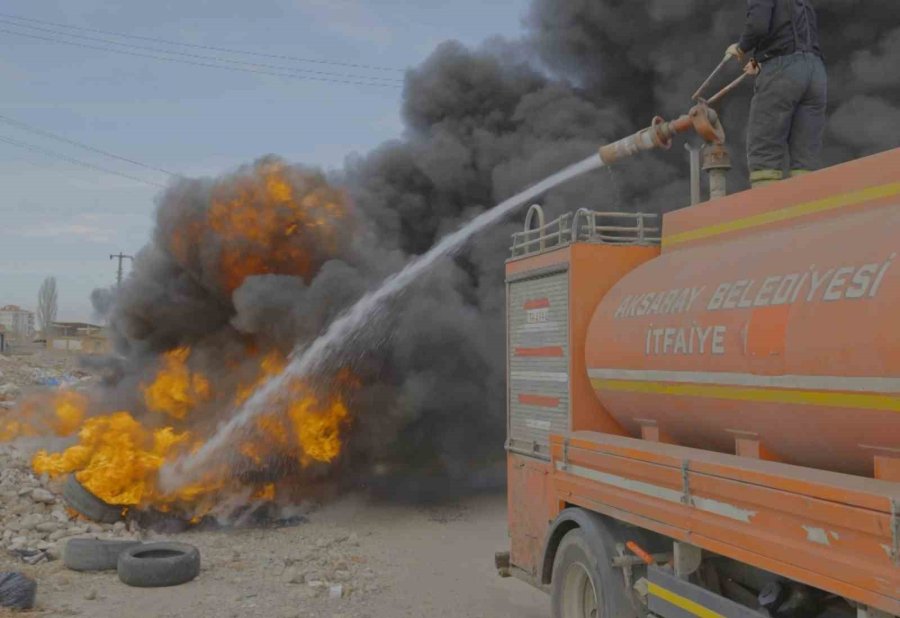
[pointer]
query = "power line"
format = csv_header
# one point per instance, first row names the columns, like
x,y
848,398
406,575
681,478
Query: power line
x,y
202,64
119,273
56,155
37,131
207,47
390,80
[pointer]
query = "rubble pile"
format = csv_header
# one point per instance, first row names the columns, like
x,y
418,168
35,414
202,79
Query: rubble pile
x,y
34,520
22,374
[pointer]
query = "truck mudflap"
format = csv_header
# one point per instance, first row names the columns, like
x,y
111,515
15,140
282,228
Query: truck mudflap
x,y
672,597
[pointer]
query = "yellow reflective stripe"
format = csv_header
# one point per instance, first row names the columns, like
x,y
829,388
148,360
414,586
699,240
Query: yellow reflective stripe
x,y
692,607
827,399
799,210
800,172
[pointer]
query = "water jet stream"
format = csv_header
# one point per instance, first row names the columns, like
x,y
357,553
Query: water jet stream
x,y
306,361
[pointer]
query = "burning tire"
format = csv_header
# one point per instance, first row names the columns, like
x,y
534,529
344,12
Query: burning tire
x,y
95,554
155,565
88,504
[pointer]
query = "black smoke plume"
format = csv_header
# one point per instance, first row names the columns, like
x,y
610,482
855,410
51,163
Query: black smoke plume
x,y
481,124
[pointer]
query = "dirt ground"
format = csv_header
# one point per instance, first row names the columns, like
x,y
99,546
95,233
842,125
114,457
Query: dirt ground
x,y
395,562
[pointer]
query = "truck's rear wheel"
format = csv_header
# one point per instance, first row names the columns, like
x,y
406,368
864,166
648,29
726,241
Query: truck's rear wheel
x,y
577,589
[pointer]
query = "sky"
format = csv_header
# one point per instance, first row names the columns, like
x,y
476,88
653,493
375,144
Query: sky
x,y
62,219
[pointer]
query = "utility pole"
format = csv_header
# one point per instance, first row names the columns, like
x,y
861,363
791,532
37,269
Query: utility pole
x,y
121,257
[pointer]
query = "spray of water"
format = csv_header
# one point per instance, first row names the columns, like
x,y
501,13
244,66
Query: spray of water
x,y
306,361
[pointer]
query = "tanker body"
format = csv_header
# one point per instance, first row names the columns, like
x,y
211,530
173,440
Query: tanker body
x,y
789,337
708,423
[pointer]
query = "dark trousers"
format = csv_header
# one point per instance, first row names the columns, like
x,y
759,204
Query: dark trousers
x,y
787,116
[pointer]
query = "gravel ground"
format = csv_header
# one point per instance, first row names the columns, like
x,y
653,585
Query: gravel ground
x,y
353,558
389,561
24,374
34,521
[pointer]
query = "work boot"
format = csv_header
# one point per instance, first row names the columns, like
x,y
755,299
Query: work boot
x,y
761,178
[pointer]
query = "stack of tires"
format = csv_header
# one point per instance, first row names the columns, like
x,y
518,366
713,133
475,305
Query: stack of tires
x,y
146,565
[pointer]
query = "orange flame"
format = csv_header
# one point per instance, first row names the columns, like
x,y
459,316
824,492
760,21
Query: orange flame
x,y
117,459
271,219
266,493
32,418
276,221
271,365
318,429
176,391
310,431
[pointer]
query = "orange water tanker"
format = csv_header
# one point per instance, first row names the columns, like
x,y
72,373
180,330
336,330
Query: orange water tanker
x,y
704,419
785,333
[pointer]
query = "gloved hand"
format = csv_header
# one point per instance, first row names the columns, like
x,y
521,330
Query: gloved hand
x,y
735,51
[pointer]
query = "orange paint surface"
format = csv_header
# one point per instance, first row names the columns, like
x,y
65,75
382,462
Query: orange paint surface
x,y
878,170
775,334
824,529
539,303
539,401
547,352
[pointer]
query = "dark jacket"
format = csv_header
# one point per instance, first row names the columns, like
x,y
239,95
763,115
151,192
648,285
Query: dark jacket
x,y
780,27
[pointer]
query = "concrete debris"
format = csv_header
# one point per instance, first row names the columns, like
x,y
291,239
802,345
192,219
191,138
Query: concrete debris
x,y
34,556
9,392
43,496
60,516
341,575
294,576
21,375
34,525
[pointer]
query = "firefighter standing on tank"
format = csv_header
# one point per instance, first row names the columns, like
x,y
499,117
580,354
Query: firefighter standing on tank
x,y
787,114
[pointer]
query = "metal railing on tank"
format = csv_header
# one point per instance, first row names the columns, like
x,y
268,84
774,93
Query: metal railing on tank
x,y
617,228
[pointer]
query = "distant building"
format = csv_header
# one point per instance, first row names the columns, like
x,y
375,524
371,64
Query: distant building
x,y
2,340
17,322
78,337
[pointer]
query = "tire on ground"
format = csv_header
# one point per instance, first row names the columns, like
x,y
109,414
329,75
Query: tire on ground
x,y
17,591
580,566
95,554
88,504
154,565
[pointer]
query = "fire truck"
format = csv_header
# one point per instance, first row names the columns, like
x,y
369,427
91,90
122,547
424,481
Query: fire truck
x,y
704,409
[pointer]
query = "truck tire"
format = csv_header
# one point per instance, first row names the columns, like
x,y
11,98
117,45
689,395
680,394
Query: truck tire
x,y
95,554
155,565
577,590
88,504
584,583
592,539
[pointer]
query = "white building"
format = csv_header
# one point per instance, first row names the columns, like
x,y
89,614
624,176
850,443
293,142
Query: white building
x,y
18,322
